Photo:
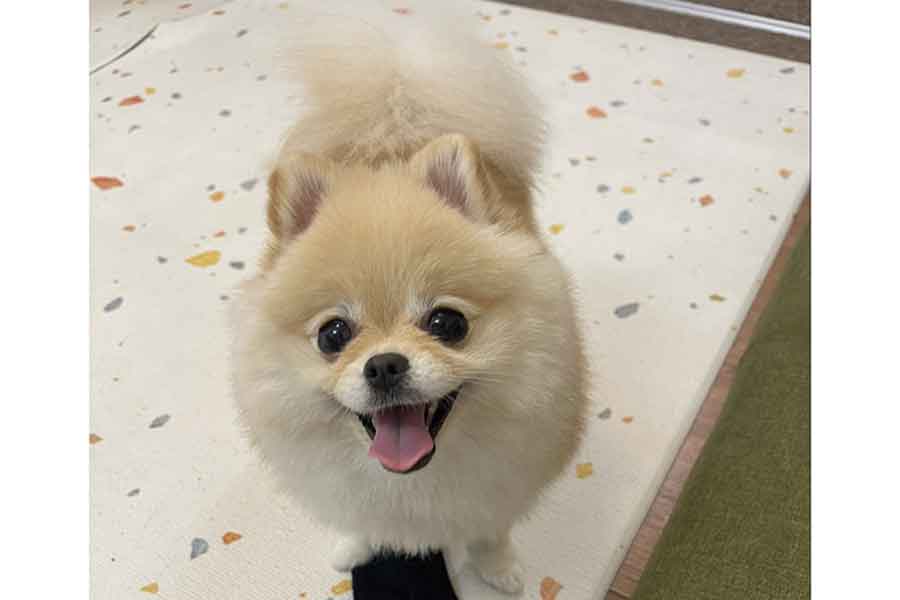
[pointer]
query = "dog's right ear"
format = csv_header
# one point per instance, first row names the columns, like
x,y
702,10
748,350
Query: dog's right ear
x,y
297,187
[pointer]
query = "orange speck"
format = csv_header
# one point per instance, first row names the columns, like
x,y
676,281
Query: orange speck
x,y
283,6
105,183
657,82
788,130
151,588
230,537
217,196
341,587
219,233
94,439
129,228
556,228
785,173
735,73
130,101
627,420
717,298
149,90
218,12
402,11
552,32
185,6
595,112
584,470
580,76
706,200
666,174
486,18
628,190
501,45
549,588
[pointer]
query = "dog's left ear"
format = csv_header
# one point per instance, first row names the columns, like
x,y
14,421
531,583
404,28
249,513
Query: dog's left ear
x,y
450,165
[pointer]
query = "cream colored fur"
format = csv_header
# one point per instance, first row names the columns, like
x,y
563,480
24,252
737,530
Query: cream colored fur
x,y
362,231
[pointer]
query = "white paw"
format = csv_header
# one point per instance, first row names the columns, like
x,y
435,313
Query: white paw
x,y
506,577
349,553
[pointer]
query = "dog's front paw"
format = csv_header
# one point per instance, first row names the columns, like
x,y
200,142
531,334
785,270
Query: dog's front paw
x,y
498,566
507,578
349,553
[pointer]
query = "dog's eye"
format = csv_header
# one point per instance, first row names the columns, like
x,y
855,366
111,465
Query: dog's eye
x,y
334,335
447,325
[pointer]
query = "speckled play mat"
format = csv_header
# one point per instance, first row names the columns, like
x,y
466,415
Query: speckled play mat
x,y
673,172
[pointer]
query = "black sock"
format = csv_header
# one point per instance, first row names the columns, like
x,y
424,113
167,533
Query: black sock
x,y
391,576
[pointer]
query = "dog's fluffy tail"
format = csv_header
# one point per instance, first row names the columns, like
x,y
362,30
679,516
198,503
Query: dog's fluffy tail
x,y
380,82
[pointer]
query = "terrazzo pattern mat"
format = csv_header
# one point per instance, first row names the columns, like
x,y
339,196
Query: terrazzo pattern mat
x,y
672,174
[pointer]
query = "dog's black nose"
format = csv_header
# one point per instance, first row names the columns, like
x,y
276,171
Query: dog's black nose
x,y
384,371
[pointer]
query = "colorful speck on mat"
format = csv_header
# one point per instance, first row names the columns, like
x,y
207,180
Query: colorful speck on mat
x,y
665,241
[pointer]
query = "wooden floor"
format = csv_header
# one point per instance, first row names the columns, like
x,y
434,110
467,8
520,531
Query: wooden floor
x,y
626,579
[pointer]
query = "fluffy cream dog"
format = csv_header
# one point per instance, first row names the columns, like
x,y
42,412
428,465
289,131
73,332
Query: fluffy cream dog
x,y
408,359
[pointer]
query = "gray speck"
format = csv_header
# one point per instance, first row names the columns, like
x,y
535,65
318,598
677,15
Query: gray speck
x,y
521,49
574,162
693,305
224,113
787,70
113,304
133,128
617,103
223,297
159,421
647,140
773,218
505,12
236,264
124,13
210,187
162,260
695,180
262,77
241,33
704,122
625,216
604,414
619,256
249,184
242,230
176,96
107,99
134,492
198,546
626,310
602,188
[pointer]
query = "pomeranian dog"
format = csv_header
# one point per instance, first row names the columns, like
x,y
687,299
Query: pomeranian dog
x,y
408,359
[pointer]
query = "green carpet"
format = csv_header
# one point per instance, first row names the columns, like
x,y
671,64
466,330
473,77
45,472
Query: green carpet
x,y
741,527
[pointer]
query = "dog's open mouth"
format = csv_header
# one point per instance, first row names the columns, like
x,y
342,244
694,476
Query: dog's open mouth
x,y
403,436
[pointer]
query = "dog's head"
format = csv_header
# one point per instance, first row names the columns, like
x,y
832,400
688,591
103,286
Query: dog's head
x,y
394,296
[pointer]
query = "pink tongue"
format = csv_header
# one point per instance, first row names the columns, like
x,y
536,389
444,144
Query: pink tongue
x,y
401,438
